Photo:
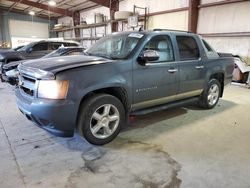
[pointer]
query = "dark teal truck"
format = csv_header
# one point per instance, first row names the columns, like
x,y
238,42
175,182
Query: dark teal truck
x,y
123,74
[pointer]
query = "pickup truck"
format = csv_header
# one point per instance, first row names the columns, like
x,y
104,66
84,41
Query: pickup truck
x,y
123,74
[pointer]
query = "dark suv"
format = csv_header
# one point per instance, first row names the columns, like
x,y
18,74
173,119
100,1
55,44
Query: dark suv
x,y
38,49
122,74
33,50
9,72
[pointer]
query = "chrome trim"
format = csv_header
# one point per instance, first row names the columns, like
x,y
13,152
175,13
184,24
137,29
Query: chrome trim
x,y
35,73
189,94
172,70
153,102
167,99
160,63
199,67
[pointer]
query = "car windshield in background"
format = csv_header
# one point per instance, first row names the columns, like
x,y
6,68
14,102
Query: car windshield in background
x,y
115,47
55,53
24,48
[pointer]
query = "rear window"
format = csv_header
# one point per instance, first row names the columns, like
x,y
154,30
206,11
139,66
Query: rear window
x,y
188,48
70,44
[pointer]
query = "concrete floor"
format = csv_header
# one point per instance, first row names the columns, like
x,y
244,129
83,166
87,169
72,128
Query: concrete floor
x,y
182,147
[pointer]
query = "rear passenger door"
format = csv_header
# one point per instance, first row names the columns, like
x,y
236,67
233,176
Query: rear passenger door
x,y
191,68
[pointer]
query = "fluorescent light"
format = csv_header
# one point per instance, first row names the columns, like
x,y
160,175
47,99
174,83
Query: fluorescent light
x,y
52,3
32,13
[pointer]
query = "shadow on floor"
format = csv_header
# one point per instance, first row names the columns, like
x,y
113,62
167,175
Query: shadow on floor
x,y
180,112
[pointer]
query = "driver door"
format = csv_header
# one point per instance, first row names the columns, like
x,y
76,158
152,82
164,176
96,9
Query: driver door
x,y
156,82
38,50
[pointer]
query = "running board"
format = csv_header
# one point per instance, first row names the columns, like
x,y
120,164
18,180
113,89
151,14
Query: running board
x,y
166,106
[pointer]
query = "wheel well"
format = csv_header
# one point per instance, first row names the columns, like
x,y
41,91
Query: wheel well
x,y
220,78
118,92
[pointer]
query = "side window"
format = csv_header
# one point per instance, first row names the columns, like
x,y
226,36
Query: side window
x,y
70,44
162,44
55,45
188,48
40,47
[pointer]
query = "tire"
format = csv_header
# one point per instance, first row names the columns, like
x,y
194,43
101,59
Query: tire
x,y
98,126
210,96
1,78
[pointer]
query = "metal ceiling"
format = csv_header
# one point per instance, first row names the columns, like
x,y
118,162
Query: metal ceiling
x,y
41,8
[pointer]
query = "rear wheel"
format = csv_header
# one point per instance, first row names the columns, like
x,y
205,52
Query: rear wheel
x,y
211,94
101,118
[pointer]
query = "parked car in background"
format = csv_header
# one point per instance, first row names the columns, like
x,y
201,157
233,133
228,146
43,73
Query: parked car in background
x,y
33,50
9,72
18,47
127,73
7,56
38,49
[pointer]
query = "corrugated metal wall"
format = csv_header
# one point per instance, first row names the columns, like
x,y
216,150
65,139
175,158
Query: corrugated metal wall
x,y
231,19
226,27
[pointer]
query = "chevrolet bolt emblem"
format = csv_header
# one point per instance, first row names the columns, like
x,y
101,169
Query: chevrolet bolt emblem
x,y
20,82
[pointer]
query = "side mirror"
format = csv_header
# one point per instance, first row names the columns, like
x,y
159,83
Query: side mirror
x,y
29,50
148,55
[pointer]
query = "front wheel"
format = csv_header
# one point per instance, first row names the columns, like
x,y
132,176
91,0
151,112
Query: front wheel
x,y
101,118
211,94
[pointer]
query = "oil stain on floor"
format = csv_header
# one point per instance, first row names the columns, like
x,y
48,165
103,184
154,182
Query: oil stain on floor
x,y
125,164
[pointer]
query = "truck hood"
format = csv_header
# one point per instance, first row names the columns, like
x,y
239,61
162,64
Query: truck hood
x,y
10,55
47,68
13,64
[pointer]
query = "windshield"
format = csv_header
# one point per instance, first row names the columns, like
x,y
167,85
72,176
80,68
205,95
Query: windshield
x,y
24,48
115,46
55,53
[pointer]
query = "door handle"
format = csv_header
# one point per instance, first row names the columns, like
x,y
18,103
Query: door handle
x,y
199,67
172,70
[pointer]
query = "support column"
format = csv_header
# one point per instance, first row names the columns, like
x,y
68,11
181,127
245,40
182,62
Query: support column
x,y
76,21
1,26
114,6
193,15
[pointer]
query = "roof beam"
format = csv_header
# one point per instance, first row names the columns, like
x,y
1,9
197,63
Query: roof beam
x,y
22,12
105,3
29,7
45,7
13,5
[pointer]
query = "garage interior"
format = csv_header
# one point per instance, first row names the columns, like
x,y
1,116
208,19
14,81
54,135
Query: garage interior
x,y
178,147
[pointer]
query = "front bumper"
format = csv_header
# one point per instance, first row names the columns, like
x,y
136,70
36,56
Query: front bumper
x,y
56,116
11,81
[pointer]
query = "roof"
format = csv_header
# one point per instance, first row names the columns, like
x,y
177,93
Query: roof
x,y
54,40
148,32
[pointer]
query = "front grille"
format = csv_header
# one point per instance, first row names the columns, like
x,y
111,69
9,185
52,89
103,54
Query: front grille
x,y
29,79
27,85
27,91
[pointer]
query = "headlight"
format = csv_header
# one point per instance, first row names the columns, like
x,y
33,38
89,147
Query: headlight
x,y
53,89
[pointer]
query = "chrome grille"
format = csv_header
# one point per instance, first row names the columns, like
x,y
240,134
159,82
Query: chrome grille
x,y
27,85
